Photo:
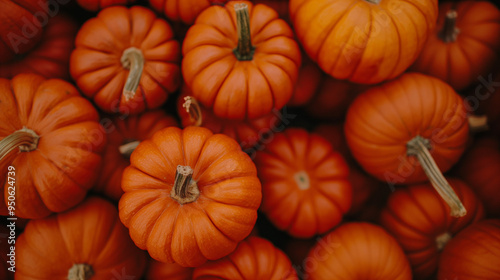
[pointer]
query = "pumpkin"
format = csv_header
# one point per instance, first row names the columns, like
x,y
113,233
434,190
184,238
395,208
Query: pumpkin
x,y
51,57
241,61
357,250
22,29
473,254
305,186
86,242
309,80
332,98
51,137
124,134
97,5
185,11
126,60
171,271
248,133
185,177
365,42
464,45
254,258
364,186
480,168
280,6
420,221
409,130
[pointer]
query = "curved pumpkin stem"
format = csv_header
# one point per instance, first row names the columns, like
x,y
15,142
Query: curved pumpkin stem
x,y
193,109
25,138
478,123
133,60
127,148
80,272
245,49
419,147
449,32
184,190
442,240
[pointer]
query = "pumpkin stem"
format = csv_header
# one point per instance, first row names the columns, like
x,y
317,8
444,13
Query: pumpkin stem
x,y
133,60
245,49
450,31
193,109
25,138
442,239
127,148
302,180
80,271
478,123
376,2
419,147
185,189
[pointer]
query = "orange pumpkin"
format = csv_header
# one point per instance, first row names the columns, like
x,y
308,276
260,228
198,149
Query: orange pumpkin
x,y
126,60
480,169
171,271
464,45
364,42
254,258
97,5
409,130
280,6
309,80
185,11
357,251
86,242
473,254
124,134
243,72
50,58
305,184
248,133
420,222
181,178
51,137
21,29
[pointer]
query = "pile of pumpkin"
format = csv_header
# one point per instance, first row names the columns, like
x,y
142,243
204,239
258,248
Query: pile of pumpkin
x,y
265,139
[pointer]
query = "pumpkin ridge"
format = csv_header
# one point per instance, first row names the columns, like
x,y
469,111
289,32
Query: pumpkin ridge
x,y
202,209
422,12
286,73
295,214
329,198
258,67
368,35
224,203
394,71
423,211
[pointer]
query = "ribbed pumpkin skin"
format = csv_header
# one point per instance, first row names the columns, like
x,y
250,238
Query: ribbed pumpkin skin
x,y
21,30
475,51
236,89
247,133
121,130
473,254
360,41
310,78
184,11
224,213
317,204
381,121
57,175
254,258
97,5
416,216
171,271
51,57
90,233
355,251
97,70
480,168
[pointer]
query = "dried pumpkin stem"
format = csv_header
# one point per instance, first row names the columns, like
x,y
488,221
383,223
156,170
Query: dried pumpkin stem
x,y
450,31
127,148
302,180
25,139
419,147
193,109
478,123
185,189
376,2
245,49
442,240
80,271
133,60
